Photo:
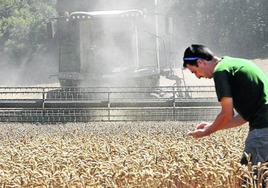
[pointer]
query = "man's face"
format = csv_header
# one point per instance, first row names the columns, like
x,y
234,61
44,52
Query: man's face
x,y
202,70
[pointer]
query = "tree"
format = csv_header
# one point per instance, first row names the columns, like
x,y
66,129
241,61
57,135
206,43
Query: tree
x,y
234,27
23,27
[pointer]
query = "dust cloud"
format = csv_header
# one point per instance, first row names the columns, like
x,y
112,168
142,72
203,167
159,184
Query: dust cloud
x,y
126,48
35,72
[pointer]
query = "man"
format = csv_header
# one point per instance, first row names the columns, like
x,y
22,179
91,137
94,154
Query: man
x,y
241,85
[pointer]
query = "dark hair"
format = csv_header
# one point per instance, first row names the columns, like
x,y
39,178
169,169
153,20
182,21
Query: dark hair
x,y
195,52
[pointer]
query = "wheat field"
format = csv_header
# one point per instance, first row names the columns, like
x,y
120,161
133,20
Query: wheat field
x,y
122,154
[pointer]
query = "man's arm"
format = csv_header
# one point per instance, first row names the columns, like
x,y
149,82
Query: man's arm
x,y
236,121
224,120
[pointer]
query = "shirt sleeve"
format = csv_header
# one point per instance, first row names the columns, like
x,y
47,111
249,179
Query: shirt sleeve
x,y
222,84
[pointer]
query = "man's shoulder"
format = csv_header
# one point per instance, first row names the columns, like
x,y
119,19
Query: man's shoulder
x,y
233,59
228,62
223,64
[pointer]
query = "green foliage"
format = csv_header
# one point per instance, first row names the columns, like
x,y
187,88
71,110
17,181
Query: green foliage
x,y
236,27
23,26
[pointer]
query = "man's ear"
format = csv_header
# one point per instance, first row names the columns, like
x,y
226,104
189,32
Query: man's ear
x,y
200,62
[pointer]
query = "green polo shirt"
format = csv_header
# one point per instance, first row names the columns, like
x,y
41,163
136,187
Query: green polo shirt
x,y
247,84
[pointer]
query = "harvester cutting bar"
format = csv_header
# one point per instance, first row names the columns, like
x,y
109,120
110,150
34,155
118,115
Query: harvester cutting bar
x,y
52,104
186,114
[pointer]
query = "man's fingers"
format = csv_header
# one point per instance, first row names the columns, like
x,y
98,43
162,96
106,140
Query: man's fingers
x,y
193,133
200,126
190,133
197,133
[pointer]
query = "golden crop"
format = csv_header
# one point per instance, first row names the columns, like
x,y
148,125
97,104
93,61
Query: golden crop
x,y
136,154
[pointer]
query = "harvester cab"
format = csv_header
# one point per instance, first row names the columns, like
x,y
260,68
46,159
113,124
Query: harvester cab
x,y
107,48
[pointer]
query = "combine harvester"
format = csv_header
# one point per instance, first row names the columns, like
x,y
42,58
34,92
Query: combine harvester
x,y
110,63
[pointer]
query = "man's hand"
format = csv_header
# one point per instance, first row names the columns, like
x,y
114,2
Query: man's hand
x,y
202,125
201,130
